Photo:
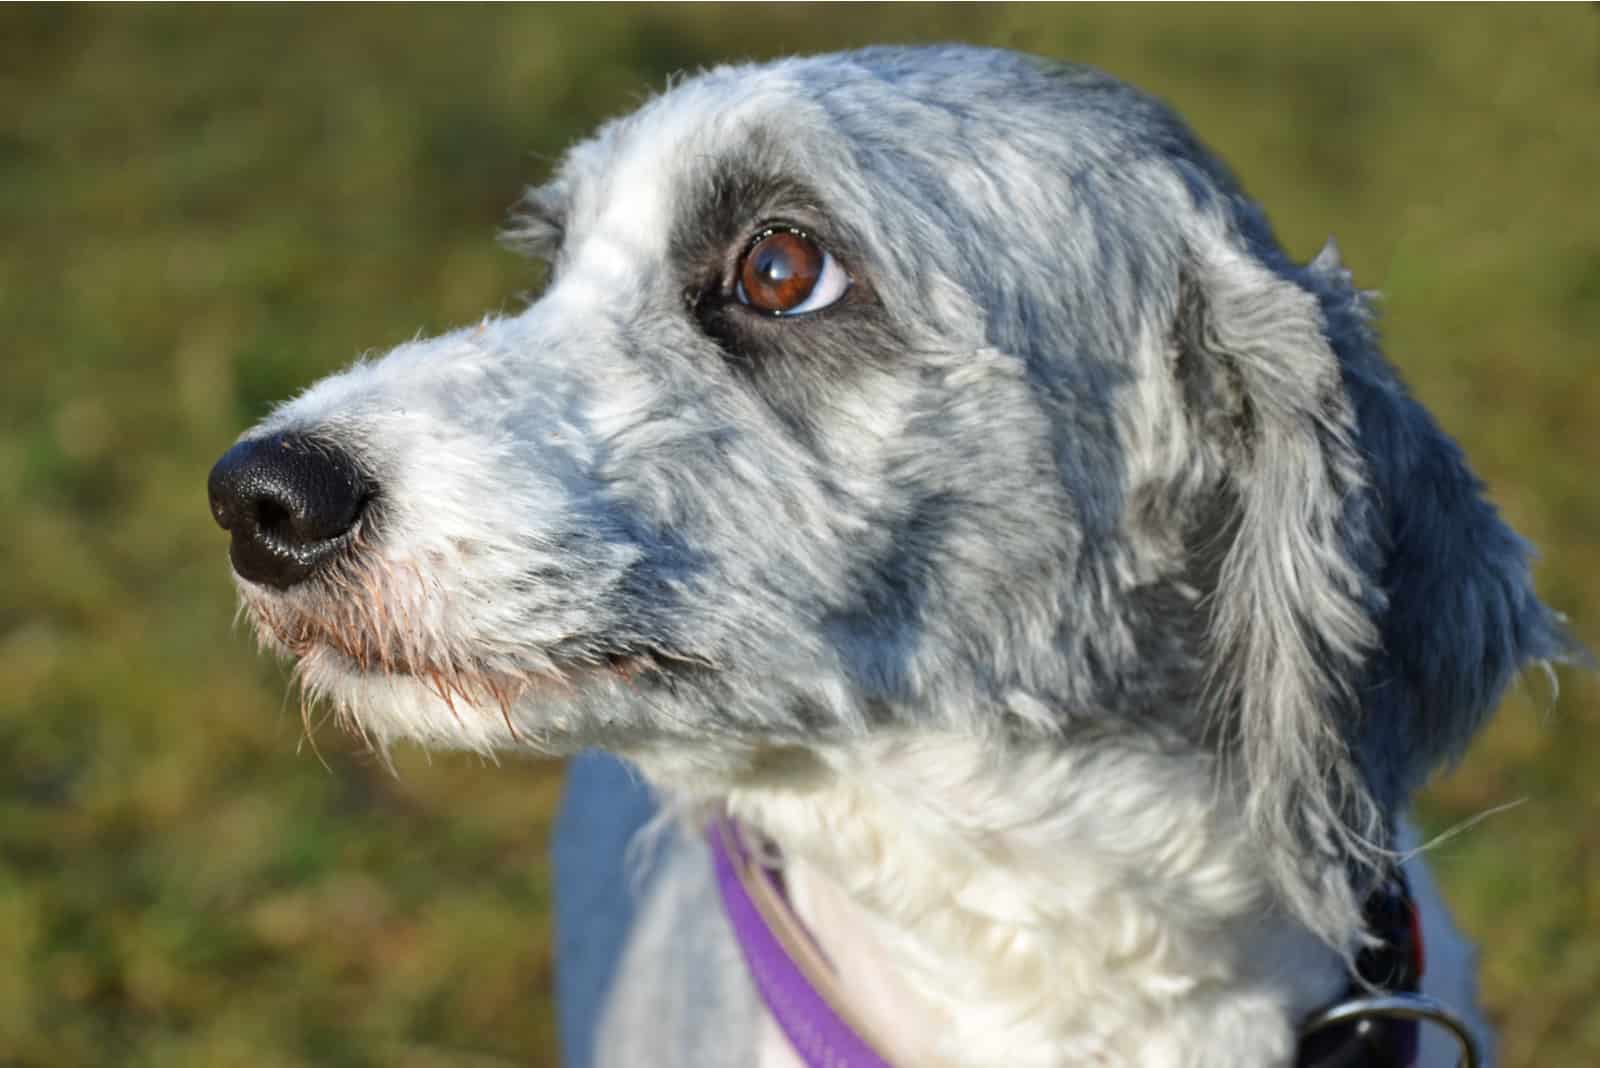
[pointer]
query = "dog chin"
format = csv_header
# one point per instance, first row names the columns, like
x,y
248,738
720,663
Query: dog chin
x,y
455,706
434,710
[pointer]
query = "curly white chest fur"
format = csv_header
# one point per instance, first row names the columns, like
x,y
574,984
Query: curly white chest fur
x,y
1080,908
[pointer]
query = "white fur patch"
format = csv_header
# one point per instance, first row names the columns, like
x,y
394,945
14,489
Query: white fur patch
x,y
995,908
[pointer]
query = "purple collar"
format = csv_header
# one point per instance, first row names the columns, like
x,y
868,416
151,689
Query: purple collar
x,y
778,953
1375,1026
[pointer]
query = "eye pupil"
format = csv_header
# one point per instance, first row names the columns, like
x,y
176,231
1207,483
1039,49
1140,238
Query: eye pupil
x,y
772,265
780,271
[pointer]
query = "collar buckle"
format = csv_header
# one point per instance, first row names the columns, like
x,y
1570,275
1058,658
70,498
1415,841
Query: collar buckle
x,y
1414,1008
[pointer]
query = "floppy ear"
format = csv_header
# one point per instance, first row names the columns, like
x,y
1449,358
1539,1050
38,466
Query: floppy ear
x,y
1460,615
1369,606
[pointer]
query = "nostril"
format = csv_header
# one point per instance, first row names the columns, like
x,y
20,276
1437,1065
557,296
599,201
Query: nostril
x,y
270,514
289,502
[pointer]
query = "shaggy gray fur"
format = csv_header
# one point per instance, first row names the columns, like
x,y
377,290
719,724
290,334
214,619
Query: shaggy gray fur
x,y
1079,433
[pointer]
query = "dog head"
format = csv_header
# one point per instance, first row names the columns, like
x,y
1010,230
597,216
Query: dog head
x,y
897,390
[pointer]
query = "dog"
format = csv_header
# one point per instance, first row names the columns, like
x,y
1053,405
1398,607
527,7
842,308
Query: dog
x,y
927,462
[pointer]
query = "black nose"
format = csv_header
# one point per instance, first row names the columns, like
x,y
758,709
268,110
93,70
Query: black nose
x,y
289,504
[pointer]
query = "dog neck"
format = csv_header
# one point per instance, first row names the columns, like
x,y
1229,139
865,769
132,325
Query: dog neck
x,y
989,907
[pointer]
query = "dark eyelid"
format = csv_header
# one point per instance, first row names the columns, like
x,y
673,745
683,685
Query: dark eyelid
x,y
768,227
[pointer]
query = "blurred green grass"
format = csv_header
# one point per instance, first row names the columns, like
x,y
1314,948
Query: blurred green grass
x,y
202,211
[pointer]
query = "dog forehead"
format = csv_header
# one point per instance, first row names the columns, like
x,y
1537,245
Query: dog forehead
x,y
641,171
822,114
927,163
921,121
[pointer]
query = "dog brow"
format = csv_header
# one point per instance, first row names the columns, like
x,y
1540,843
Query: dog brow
x,y
733,194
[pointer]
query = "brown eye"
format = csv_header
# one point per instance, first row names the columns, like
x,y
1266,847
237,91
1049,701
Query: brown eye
x,y
786,273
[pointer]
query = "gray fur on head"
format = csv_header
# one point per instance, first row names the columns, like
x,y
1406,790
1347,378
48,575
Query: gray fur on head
x,y
1080,459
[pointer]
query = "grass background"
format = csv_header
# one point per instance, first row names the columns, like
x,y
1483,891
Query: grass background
x,y
202,211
